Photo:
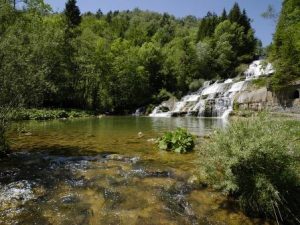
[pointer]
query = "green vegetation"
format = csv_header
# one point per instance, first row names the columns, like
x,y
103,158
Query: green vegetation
x,y
256,160
179,141
262,82
285,51
47,114
4,147
114,62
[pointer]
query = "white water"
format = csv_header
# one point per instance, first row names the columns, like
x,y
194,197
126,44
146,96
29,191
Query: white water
x,y
257,69
213,99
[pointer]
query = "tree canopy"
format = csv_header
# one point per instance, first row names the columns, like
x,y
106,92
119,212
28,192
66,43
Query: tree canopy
x,y
285,51
117,61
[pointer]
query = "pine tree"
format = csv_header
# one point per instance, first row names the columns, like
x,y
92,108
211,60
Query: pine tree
x,y
235,14
99,14
245,21
286,48
207,26
224,15
109,16
72,14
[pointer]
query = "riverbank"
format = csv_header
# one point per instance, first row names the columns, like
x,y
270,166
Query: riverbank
x,y
48,114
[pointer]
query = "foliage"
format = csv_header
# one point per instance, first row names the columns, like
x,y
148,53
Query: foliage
x,y
257,160
4,147
285,52
179,141
112,62
47,114
72,13
261,82
195,85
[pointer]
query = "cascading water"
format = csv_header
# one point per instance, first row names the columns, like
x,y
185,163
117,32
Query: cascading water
x,y
213,99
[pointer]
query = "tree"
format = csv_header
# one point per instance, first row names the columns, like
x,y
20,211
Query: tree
x,y
72,14
286,49
207,26
233,46
224,15
38,6
236,16
99,14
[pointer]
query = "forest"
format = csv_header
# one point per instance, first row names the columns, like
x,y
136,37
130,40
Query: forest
x,y
118,169
117,61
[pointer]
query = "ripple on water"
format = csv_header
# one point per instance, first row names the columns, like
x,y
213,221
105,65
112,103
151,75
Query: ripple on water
x,y
105,189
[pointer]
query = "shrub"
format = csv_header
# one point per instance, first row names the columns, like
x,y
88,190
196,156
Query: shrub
x,y
179,141
195,85
163,95
261,82
257,161
46,114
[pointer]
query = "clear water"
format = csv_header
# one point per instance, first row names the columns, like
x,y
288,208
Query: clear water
x,y
107,171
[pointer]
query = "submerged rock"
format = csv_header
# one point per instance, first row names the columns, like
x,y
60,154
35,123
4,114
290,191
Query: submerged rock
x,y
16,194
122,158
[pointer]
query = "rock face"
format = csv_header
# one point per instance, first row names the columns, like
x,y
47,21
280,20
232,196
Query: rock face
x,y
286,101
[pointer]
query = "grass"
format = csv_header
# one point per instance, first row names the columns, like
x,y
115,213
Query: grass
x,y
256,160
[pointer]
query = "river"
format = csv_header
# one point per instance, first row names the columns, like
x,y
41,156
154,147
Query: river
x,y
108,171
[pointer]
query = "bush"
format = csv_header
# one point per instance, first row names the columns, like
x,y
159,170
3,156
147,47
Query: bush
x,y
179,141
261,82
257,161
195,85
46,114
163,95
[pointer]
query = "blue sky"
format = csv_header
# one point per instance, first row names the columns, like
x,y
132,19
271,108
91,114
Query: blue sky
x,y
264,28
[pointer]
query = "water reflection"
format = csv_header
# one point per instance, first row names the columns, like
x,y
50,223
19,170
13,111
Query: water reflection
x,y
105,134
197,126
99,171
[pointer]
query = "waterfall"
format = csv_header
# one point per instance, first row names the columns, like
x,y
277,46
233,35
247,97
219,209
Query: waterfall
x,y
259,68
212,100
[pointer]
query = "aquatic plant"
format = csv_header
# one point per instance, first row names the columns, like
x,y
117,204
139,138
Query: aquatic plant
x,y
256,160
179,141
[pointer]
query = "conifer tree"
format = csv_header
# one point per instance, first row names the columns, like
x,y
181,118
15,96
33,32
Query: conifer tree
x,y
286,48
72,14
224,15
235,14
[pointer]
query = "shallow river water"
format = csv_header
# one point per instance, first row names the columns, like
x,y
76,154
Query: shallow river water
x,y
107,171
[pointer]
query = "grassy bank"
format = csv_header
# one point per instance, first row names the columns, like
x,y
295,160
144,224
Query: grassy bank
x,y
47,114
256,160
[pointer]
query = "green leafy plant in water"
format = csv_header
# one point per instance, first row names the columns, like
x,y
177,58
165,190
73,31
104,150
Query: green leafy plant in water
x,y
179,141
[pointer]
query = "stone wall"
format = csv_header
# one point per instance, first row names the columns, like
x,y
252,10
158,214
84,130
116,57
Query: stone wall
x,y
286,101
